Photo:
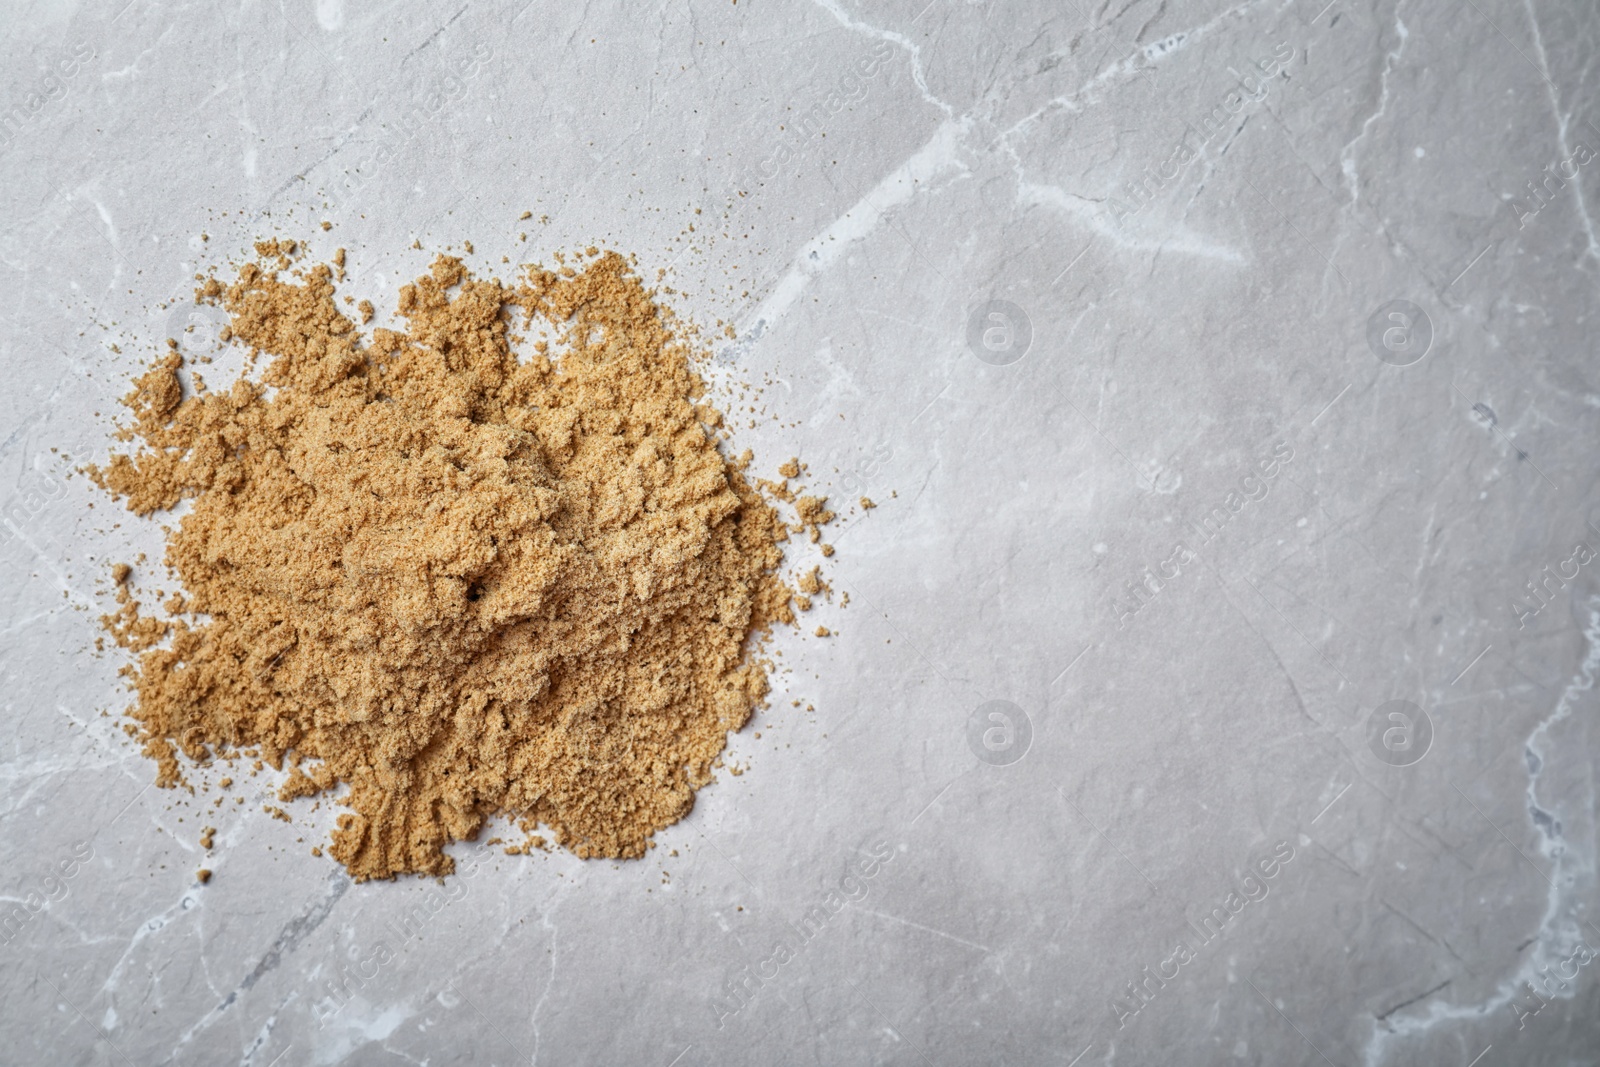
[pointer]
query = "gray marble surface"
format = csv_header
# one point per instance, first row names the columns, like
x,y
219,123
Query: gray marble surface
x,y
1217,683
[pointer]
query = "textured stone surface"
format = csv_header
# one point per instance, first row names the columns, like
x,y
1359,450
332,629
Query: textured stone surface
x,y
868,184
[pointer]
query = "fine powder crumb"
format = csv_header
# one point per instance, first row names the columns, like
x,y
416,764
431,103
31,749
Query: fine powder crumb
x,y
459,583
203,875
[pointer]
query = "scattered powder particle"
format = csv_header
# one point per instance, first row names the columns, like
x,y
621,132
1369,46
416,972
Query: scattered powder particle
x,y
790,469
461,583
225,783
813,514
207,835
812,511
867,504
204,875
778,491
811,581
823,631
326,225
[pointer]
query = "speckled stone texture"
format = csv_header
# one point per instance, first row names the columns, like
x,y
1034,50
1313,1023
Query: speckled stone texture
x,y
1217,679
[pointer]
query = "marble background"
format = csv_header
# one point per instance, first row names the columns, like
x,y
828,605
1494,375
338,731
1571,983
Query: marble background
x,y
1217,682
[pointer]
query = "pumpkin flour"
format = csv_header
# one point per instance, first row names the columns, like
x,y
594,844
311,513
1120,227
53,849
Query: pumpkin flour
x,y
459,582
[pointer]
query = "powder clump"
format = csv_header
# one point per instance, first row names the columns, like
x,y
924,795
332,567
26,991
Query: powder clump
x,y
457,582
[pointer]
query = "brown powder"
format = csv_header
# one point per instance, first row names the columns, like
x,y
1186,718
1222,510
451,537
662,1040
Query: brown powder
x,y
459,583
